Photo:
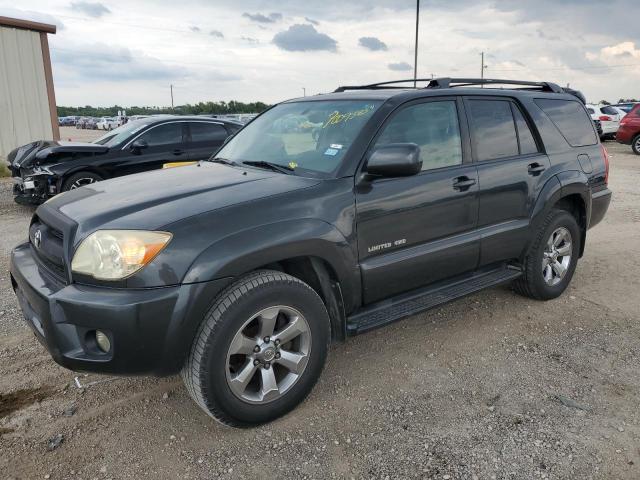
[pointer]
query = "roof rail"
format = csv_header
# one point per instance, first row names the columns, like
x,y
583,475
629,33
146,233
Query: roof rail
x,y
446,82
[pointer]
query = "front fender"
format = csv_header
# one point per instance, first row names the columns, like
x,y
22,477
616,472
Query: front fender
x,y
250,249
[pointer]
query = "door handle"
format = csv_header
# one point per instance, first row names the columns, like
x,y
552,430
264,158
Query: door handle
x,y
177,151
535,168
463,183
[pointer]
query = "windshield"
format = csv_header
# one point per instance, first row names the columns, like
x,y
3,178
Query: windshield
x,y
120,134
312,136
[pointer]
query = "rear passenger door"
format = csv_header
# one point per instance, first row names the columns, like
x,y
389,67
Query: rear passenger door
x,y
205,139
511,171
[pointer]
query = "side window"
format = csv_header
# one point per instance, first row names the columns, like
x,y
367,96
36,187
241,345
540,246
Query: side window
x,y
165,134
492,129
207,132
607,110
433,126
527,142
571,119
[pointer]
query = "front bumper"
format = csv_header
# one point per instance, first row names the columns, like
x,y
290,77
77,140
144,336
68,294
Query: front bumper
x,y
34,189
150,330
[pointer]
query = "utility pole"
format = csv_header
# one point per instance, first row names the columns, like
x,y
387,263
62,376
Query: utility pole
x,y
304,92
482,69
171,96
415,53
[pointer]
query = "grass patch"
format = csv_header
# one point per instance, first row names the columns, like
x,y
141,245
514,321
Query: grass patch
x,y
4,170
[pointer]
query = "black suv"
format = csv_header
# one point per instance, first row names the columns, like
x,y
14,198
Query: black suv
x,y
324,217
44,168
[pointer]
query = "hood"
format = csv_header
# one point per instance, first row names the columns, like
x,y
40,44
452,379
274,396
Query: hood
x,y
24,157
53,149
155,199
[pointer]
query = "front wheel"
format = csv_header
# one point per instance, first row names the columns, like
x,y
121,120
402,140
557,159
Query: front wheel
x,y
635,145
80,179
259,350
552,259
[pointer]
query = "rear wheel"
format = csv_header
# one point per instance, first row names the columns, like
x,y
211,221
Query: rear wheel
x,y
259,350
552,259
635,145
80,179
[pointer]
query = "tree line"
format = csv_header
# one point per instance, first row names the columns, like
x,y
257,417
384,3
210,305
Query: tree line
x,y
218,108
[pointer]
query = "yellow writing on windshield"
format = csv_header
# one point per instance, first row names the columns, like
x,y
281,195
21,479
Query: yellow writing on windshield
x,y
337,117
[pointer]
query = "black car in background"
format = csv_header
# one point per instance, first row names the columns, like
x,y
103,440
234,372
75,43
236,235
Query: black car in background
x,y
44,168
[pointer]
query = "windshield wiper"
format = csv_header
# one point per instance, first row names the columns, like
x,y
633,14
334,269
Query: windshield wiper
x,y
224,161
271,166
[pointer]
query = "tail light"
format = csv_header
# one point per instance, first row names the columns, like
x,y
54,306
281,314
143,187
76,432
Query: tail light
x,y
605,155
605,118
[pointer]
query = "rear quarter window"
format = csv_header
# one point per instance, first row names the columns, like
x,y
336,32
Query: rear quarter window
x,y
571,119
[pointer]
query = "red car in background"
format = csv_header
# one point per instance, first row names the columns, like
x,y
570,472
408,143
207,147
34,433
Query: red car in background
x,y
629,131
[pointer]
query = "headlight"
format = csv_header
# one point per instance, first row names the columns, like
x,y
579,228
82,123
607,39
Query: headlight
x,y
117,254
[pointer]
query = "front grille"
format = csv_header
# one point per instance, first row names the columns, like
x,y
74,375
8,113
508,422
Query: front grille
x,y
47,243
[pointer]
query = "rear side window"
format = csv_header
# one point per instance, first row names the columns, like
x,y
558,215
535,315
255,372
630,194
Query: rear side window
x,y
608,110
165,134
527,142
492,129
571,119
207,132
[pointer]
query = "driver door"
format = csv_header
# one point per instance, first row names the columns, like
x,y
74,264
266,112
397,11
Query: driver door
x,y
413,231
166,143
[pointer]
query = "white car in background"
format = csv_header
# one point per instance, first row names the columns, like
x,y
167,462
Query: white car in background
x,y
107,123
609,118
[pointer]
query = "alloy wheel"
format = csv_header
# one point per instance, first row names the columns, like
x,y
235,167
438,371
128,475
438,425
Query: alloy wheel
x,y
268,354
81,182
556,257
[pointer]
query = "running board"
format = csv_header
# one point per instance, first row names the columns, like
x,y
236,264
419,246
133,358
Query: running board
x,y
395,308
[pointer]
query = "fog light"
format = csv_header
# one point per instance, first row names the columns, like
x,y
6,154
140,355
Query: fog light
x,y
103,341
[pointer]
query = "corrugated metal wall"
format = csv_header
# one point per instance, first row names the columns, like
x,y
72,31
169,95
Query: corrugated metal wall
x,y
24,106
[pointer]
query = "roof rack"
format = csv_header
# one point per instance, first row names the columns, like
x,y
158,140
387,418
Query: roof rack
x,y
447,82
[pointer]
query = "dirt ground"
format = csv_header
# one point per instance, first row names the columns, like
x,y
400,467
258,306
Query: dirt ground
x,y
494,386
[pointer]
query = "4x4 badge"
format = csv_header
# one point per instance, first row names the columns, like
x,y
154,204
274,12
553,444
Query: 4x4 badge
x,y
37,238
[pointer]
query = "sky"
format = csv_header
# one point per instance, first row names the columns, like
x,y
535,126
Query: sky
x,y
130,52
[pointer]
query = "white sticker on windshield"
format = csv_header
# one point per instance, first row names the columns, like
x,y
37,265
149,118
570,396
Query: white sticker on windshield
x,y
331,151
336,145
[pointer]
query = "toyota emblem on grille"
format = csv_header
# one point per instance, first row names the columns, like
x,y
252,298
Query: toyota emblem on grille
x,y
37,238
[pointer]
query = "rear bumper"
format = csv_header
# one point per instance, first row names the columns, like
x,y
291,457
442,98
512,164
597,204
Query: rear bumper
x,y
150,330
625,134
599,206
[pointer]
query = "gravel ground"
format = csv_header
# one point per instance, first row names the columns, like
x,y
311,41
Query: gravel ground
x,y
494,386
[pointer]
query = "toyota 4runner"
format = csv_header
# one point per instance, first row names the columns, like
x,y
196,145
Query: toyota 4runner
x,y
324,217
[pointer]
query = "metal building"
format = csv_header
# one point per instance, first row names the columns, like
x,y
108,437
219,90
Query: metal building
x,y
27,99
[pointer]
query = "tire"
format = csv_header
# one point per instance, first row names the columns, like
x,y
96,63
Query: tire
x,y
80,179
535,282
635,144
211,370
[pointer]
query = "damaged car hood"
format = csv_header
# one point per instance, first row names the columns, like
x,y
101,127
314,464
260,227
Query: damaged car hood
x,y
24,157
158,198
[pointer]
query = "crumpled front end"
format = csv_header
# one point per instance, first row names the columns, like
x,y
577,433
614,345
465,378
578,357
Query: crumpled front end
x,y
33,186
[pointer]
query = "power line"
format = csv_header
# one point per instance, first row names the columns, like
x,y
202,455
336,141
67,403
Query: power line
x,y
567,67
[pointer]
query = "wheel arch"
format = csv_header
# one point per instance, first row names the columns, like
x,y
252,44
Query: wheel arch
x,y
63,177
311,250
567,191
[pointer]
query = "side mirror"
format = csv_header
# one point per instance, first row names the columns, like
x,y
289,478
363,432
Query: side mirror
x,y
138,145
395,160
